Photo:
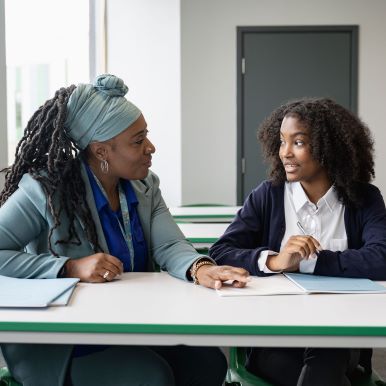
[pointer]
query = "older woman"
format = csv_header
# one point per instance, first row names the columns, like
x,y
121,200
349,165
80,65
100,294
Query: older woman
x,y
80,201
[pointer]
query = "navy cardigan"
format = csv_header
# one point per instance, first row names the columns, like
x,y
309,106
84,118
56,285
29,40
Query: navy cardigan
x,y
260,225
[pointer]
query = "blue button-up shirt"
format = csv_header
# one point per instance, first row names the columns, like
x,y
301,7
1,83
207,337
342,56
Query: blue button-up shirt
x,y
112,230
115,239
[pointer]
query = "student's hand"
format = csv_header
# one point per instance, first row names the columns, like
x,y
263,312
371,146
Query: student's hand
x,y
96,268
296,249
212,276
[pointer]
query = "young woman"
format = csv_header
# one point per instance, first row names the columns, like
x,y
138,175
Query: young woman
x,y
318,215
80,201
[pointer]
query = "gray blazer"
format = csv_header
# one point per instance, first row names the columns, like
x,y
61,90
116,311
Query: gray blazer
x,y
24,224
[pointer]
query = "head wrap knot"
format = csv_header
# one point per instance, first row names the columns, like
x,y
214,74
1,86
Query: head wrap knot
x,y
99,111
110,85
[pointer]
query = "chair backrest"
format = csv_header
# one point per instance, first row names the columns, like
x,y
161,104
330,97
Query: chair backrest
x,y
237,373
6,378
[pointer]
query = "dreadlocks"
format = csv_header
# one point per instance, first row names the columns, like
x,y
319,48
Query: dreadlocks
x,y
50,157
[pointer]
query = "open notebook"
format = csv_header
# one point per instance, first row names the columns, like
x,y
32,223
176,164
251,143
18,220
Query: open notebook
x,y
300,284
35,292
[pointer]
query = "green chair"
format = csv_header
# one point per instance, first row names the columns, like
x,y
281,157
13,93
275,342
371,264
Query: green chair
x,y
6,378
239,375
203,251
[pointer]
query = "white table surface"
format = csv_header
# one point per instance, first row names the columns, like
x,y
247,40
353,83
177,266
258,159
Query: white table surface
x,y
155,308
204,213
203,232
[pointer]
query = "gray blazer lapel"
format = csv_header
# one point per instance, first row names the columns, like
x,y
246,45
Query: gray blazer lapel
x,y
94,213
144,194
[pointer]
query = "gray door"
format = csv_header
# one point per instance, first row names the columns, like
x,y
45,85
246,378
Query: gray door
x,y
277,64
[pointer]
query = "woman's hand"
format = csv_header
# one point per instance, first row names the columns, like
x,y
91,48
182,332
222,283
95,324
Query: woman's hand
x,y
296,249
212,276
96,268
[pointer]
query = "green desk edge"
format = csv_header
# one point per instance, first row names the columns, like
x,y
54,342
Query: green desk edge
x,y
192,329
202,239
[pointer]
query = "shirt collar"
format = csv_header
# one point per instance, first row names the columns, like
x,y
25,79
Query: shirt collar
x,y
300,198
101,200
129,192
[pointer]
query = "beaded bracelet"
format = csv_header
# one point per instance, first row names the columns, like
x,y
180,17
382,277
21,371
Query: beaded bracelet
x,y
196,265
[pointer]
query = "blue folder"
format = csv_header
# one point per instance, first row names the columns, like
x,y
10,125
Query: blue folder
x,y
314,283
35,292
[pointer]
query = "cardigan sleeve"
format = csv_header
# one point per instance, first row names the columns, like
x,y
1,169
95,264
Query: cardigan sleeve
x,y
21,223
243,241
366,233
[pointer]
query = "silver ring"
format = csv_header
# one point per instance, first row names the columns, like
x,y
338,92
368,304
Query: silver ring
x,y
106,274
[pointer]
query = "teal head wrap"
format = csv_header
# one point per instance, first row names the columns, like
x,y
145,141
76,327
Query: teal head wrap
x,y
99,111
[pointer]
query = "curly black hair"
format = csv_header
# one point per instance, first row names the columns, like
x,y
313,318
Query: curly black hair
x,y
340,142
50,157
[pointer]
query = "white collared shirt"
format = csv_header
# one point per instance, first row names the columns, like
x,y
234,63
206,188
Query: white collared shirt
x,y
324,221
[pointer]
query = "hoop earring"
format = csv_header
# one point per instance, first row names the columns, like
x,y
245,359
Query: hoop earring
x,y
104,166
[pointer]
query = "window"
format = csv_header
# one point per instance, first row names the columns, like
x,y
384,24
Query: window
x,y
47,47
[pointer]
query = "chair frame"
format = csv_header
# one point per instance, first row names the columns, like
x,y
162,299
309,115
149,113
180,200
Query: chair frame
x,y
239,375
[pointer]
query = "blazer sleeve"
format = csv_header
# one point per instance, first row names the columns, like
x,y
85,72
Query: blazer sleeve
x,y
169,248
21,222
366,231
243,241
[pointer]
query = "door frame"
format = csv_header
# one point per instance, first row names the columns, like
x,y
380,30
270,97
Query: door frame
x,y
354,33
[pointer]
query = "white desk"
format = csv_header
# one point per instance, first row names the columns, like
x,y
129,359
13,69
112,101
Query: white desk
x,y
156,309
204,213
203,235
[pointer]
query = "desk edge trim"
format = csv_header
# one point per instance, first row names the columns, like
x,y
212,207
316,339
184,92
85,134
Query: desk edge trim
x,y
193,329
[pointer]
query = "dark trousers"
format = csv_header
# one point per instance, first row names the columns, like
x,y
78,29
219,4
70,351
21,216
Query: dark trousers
x,y
149,366
303,366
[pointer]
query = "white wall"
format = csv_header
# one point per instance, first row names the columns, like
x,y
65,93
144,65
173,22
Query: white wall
x,y
3,97
178,57
143,41
208,49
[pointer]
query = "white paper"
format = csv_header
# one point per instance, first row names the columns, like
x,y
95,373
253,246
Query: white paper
x,y
266,285
302,284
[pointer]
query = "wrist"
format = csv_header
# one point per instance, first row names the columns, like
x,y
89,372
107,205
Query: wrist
x,y
201,272
63,271
272,263
196,266
67,269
